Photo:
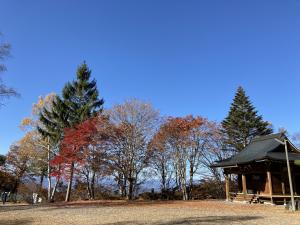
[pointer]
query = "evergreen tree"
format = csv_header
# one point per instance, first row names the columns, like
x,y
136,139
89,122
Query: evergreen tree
x,y
2,160
54,120
82,97
79,101
242,123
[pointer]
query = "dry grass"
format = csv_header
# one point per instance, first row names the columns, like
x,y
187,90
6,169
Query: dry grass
x,y
135,213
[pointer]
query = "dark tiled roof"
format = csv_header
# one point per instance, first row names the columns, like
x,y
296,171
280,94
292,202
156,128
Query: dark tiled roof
x,y
260,148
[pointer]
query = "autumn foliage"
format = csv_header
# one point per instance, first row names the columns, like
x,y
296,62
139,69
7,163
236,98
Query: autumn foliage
x,y
178,129
74,143
129,144
175,141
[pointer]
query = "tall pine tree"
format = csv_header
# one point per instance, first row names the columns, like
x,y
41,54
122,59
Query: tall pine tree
x,y
82,97
80,101
242,123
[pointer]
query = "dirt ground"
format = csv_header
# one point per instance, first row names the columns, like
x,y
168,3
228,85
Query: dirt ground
x,y
136,213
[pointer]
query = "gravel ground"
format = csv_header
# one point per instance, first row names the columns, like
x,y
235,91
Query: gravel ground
x,y
136,213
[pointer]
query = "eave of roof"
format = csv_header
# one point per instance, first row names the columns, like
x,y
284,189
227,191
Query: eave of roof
x,y
261,148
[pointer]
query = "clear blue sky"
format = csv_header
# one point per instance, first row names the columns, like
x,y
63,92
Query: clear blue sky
x,y
186,57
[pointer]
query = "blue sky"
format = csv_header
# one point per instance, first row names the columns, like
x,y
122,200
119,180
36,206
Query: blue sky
x,y
186,57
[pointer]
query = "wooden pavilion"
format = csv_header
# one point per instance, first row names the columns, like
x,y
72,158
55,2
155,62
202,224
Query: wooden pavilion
x,y
261,170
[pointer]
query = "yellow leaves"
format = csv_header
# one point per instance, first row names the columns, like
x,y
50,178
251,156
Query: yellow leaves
x,y
40,102
25,123
29,145
30,122
36,107
50,97
32,145
43,102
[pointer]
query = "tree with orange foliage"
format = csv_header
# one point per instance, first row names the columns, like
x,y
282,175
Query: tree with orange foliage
x,y
161,161
176,137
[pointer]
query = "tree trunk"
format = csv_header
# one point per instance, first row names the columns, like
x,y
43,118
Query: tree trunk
x,y
184,190
41,183
163,177
130,189
121,190
176,177
54,190
182,179
163,182
190,195
122,185
48,172
68,194
93,185
15,189
49,188
88,187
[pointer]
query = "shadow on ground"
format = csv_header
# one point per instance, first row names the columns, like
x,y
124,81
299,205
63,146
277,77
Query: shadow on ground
x,y
15,222
89,204
197,220
8,208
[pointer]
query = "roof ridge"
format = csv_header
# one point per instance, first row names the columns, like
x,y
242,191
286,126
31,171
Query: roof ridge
x,y
269,136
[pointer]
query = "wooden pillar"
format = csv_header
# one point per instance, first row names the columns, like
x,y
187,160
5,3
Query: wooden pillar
x,y
283,185
283,189
244,185
294,182
295,186
270,185
227,181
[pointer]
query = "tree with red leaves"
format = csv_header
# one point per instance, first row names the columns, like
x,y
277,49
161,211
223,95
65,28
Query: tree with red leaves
x,y
73,146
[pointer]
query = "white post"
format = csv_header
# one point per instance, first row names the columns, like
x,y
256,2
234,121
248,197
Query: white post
x,y
48,169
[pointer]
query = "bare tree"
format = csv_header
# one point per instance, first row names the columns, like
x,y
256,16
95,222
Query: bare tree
x,y
135,122
95,155
91,166
5,92
214,150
